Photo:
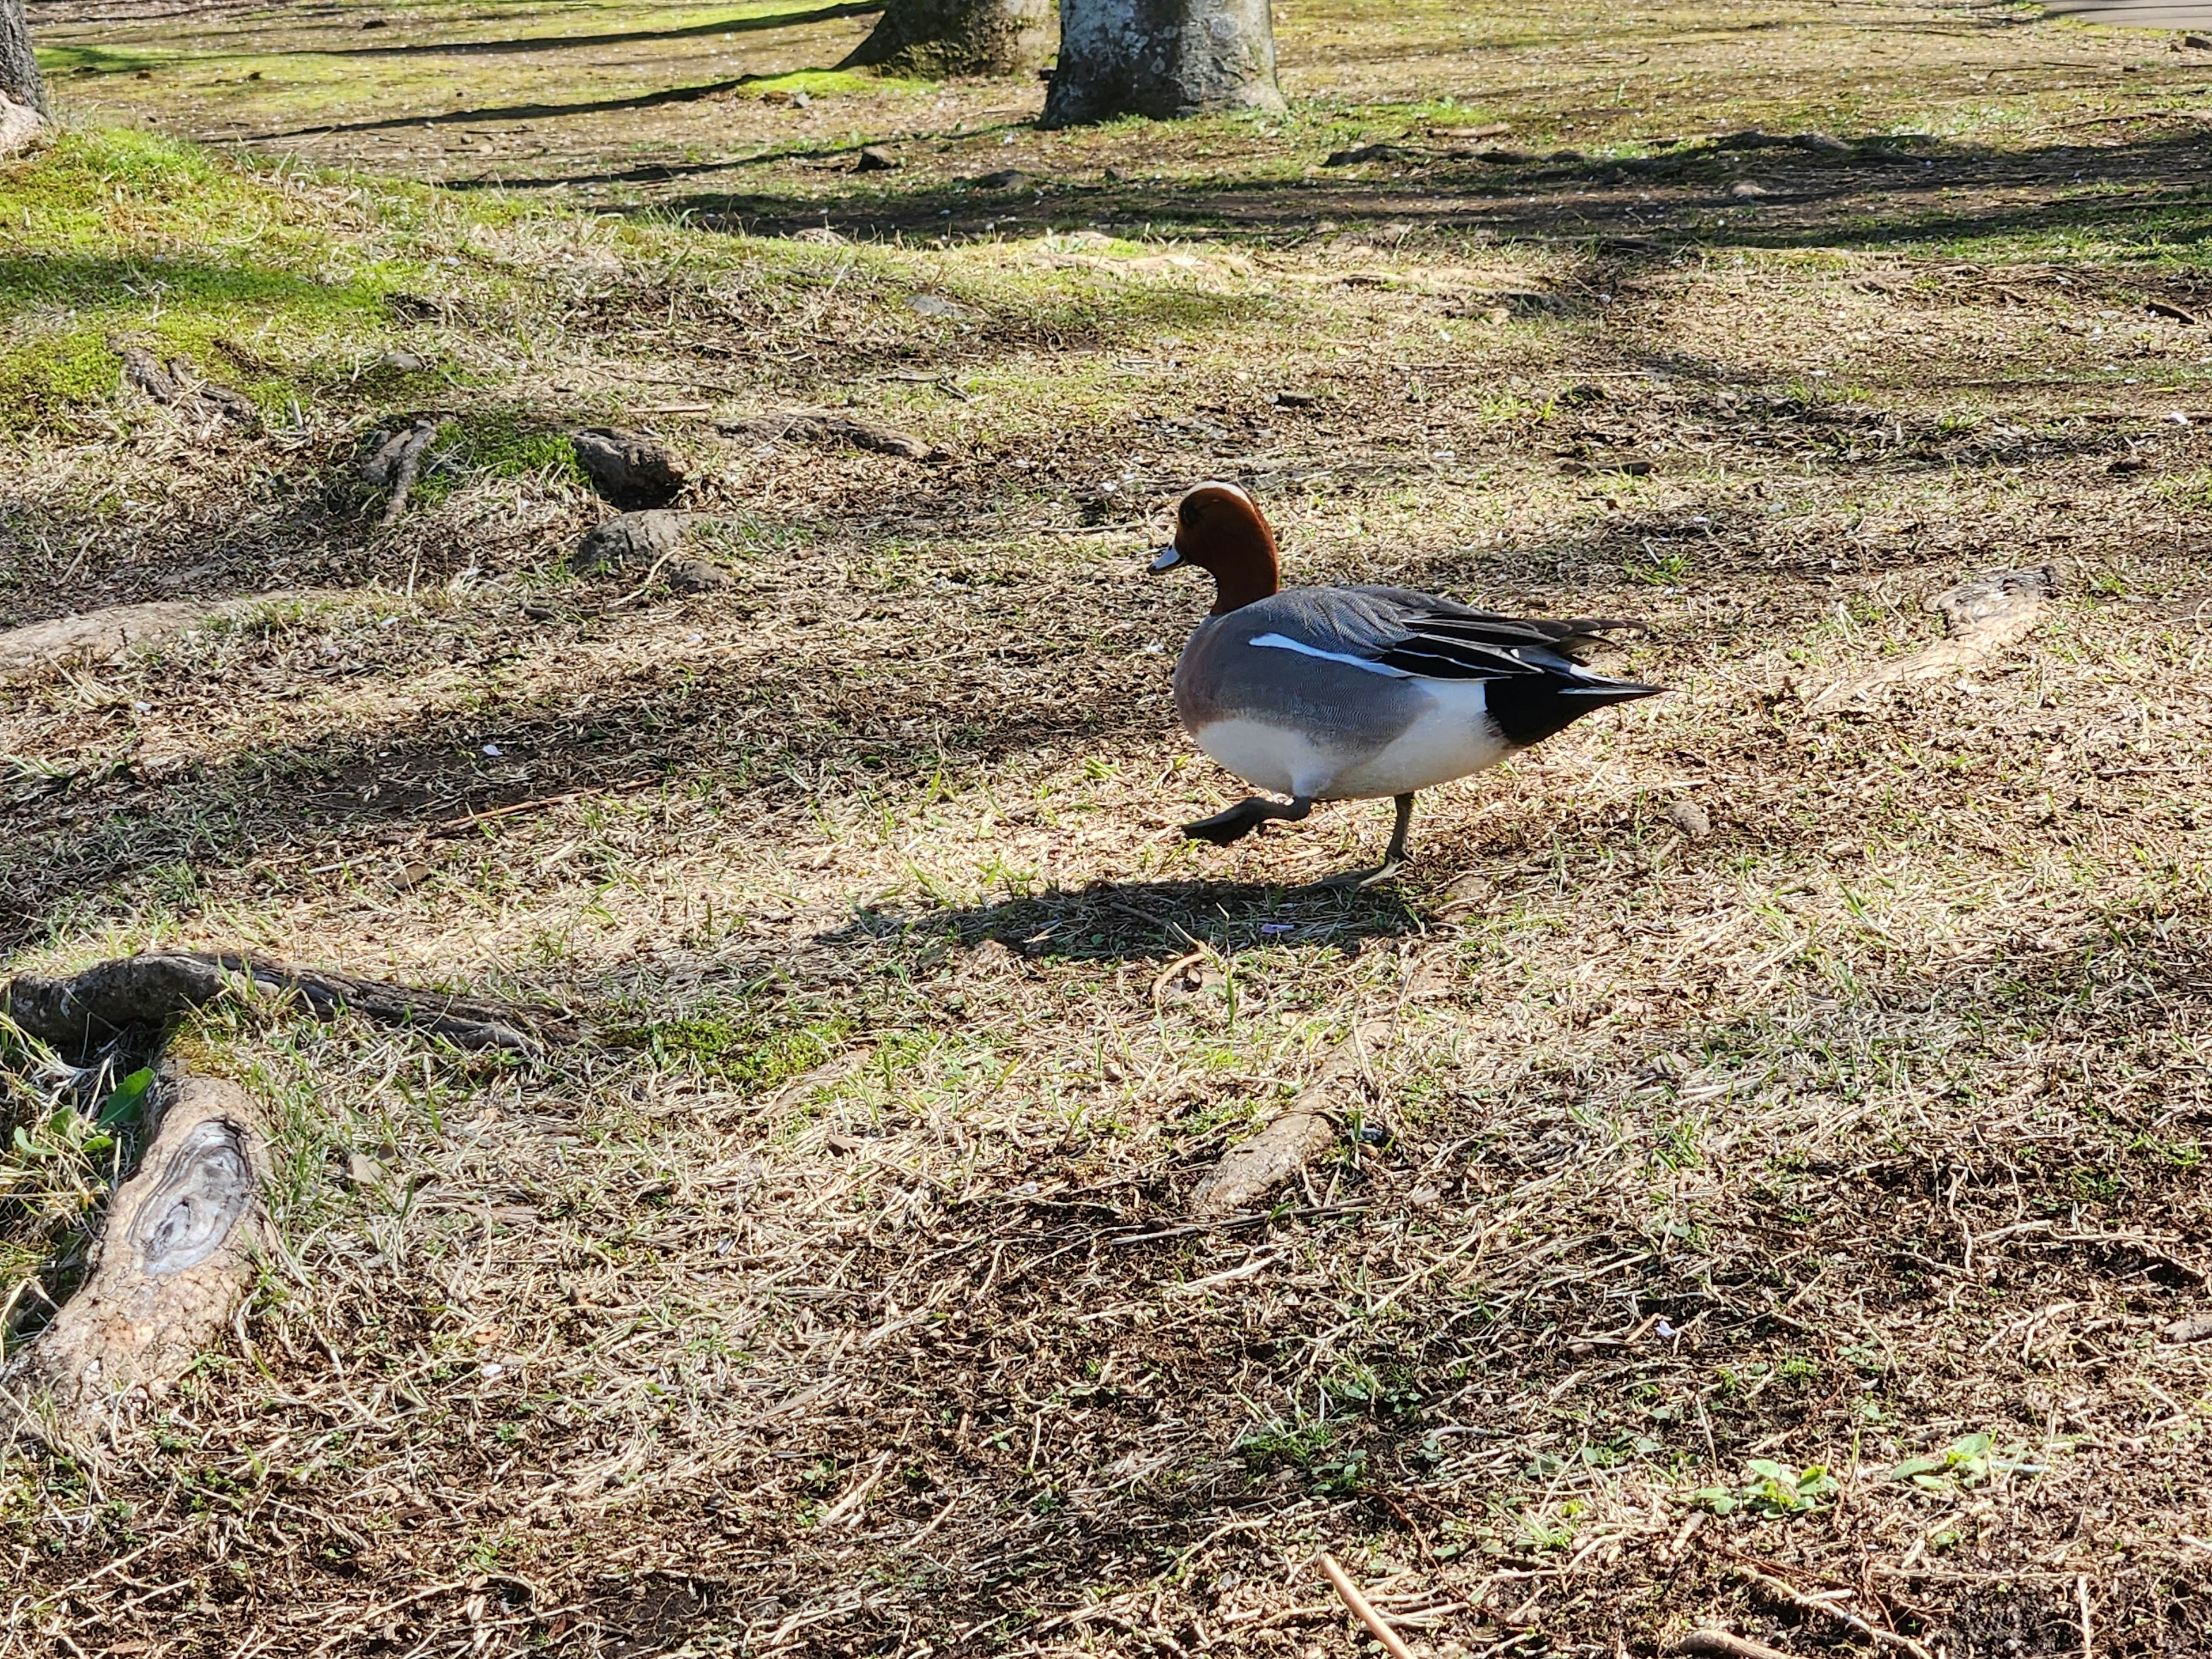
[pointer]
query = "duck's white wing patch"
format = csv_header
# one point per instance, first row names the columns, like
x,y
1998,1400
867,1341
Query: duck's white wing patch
x,y
1284,642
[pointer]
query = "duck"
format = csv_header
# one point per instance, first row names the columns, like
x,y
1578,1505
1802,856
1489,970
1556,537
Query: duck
x,y
1355,693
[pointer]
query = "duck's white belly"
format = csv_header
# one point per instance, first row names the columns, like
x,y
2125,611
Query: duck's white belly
x,y
1452,737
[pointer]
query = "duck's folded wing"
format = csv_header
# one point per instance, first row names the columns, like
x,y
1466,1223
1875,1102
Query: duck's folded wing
x,y
1396,632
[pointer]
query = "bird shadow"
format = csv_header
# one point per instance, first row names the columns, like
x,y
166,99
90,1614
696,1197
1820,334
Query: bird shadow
x,y
1141,921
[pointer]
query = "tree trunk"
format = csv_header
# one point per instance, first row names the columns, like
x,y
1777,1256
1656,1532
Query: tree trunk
x,y
19,70
1162,58
955,37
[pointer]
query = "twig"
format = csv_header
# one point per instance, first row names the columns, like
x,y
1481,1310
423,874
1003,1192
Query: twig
x,y
1377,1625
1175,967
855,1495
2081,1599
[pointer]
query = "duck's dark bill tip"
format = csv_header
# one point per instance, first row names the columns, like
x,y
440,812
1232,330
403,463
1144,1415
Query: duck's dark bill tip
x,y
1165,558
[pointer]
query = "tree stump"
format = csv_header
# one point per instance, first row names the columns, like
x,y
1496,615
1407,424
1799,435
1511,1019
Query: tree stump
x,y
173,1261
628,538
176,1254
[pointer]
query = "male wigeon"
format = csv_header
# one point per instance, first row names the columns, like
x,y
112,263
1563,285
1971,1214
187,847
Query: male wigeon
x,y
1355,693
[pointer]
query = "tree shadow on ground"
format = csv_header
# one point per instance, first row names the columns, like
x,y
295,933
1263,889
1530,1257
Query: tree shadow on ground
x,y
783,20
1732,193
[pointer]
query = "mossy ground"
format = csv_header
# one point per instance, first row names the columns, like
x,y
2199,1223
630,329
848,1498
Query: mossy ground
x,y
834,1298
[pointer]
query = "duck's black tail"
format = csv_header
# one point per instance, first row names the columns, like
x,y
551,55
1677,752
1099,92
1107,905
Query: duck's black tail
x,y
1530,707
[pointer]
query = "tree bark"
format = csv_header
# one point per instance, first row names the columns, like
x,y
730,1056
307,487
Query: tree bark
x,y
173,1261
957,37
19,70
1162,59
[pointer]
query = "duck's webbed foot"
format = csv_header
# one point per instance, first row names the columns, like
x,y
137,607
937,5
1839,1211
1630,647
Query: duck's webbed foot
x,y
1242,819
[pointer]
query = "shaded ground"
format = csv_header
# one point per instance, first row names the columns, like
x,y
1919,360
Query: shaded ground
x,y
837,1297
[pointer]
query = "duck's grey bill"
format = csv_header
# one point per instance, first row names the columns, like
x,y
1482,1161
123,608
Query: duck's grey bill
x,y
1166,559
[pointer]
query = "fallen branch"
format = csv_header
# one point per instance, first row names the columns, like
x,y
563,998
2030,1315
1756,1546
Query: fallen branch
x,y
172,1265
159,986
1985,617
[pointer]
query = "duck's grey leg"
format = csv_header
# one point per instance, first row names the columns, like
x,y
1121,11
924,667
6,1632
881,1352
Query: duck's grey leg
x,y
1242,819
1394,857
1396,854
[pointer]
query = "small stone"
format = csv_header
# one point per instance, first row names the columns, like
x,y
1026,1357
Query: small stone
x,y
631,469
1692,819
934,304
1006,179
628,538
1821,143
402,362
696,576
1747,190
2195,1328
874,158
1473,888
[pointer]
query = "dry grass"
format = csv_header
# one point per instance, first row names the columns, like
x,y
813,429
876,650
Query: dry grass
x,y
838,1296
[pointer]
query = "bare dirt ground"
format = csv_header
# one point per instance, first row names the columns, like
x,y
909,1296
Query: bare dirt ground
x,y
1784,1215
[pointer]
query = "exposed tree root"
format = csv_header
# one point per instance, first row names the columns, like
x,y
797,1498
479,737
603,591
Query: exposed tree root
x,y
1297,1134
177,1253
159,986
21,127
174,1260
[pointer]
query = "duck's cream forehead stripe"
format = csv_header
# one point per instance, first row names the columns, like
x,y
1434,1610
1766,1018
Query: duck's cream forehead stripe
x,y
1236,491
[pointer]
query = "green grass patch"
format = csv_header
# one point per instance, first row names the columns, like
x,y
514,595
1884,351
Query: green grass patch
x,y
748,1051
